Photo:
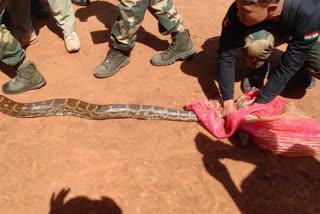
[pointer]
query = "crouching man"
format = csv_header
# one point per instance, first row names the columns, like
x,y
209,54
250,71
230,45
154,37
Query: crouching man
x,y
256,27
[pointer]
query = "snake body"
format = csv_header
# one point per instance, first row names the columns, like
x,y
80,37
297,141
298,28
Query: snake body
x,y
78,108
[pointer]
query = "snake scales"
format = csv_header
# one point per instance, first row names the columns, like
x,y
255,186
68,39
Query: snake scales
x,y
78,108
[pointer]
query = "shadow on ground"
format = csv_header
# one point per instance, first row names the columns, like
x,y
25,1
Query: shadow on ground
x,y
81,205
277,184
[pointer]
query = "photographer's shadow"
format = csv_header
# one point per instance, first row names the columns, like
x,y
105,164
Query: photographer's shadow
x,y
277,184
82,205
107,14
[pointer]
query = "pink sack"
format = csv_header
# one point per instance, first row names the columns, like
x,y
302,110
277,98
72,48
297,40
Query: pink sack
x,y
277,126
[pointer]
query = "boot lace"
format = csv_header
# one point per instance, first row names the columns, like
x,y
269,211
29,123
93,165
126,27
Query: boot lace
x,y
113,55
171,47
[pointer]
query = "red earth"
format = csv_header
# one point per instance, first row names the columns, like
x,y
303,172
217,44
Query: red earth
x,y
71,165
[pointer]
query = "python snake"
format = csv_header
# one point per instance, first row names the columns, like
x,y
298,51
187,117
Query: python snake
x,y
78,108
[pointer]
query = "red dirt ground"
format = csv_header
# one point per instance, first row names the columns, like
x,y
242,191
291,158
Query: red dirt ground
x,y
134,166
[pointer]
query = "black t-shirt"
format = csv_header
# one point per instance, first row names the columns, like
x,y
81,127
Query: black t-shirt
x,y
302,24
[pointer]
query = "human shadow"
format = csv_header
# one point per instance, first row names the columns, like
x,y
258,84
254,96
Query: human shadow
x,y
81,205
277,184
203,66
107,13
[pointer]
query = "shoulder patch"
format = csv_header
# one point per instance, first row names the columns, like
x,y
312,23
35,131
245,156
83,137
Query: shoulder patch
x,y
311,36
226,22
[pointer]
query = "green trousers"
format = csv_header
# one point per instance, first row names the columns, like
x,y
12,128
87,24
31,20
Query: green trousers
x,y
11,52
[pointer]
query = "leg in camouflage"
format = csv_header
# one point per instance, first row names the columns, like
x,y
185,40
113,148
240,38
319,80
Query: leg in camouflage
x,y
11,53
123,37
123,34
257,49
124,30
170,22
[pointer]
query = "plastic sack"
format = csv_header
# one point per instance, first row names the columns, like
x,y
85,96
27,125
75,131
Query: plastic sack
x,y
277,126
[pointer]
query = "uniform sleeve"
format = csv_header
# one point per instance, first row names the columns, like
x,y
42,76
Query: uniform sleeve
x,y
291,62
227,53
304,36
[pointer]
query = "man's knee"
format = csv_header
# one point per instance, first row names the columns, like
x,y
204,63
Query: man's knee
x,y
258,47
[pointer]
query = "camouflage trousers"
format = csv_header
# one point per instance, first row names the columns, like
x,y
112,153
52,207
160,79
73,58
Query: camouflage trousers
x,y
124,30
259,45
11,52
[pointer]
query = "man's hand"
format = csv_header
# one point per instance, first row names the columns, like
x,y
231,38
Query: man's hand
x,y
228,106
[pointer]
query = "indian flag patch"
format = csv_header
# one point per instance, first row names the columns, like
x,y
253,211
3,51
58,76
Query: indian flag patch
x,y
311,36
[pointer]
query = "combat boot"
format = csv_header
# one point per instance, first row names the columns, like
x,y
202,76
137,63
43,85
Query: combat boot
x,y
114,61
255,79
180,49
27,78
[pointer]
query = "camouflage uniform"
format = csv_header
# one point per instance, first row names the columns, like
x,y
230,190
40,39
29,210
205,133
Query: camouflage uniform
x,y
132,12
259,45
11,52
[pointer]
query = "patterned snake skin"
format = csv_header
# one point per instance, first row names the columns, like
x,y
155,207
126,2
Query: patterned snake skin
x,y
78,108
